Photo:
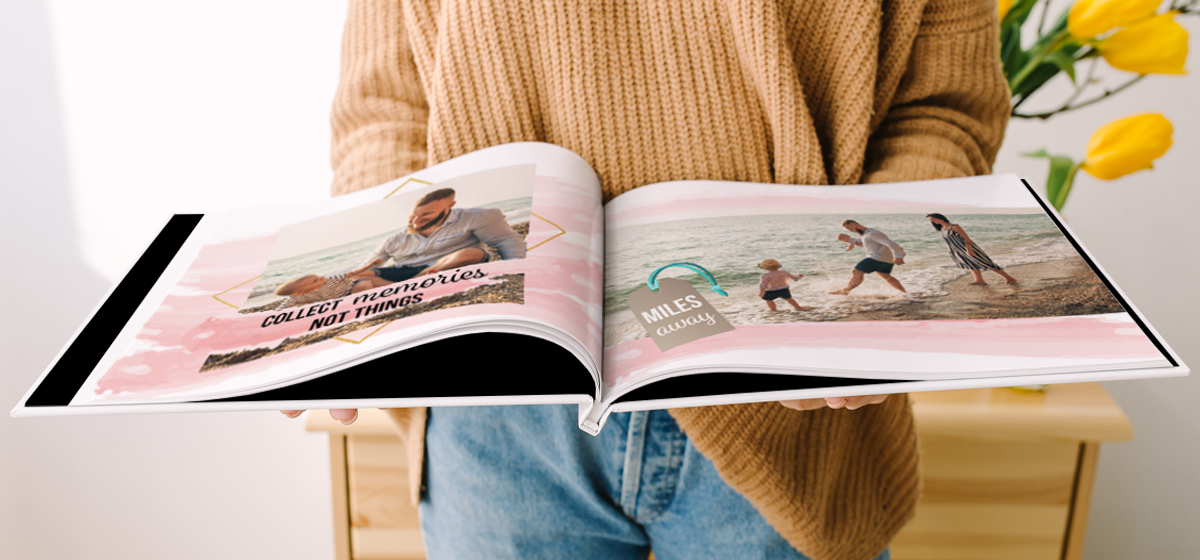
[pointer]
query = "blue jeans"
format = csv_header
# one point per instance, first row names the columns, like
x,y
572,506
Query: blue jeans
x,y
526,482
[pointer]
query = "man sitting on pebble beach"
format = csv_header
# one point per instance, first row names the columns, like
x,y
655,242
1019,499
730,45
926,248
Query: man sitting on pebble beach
x,y
441,237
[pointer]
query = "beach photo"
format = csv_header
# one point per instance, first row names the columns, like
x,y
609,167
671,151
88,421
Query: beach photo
x,y
471,220
860,262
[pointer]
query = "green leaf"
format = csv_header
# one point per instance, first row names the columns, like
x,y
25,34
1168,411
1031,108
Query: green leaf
x,y
1035,79
1053,33
1043,73
1011,54
1019,12
1062,170
1064,62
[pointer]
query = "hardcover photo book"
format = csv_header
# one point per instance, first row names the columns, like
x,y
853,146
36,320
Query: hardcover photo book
x,y
503,277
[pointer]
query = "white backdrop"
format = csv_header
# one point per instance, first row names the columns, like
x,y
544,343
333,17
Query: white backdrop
x,y
115,114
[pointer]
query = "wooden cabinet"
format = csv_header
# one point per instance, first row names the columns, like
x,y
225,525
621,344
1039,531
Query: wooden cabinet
x,y
1006,475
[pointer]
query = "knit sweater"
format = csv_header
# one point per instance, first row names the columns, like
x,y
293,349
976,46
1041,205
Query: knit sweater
x,y
801,92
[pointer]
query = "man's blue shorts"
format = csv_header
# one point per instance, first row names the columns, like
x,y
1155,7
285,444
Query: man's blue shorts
x,y
397,273
869,265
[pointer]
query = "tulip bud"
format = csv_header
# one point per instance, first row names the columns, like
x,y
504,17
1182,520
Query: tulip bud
x,y
1158,45
1127,145
1004,6
1089,18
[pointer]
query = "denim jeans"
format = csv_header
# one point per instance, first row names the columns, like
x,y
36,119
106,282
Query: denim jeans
x,y
525,482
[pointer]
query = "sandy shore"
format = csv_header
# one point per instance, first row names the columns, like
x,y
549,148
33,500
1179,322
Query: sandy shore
x,y
1049,289
510,288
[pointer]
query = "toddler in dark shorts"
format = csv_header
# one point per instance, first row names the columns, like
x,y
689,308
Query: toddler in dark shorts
x,y
773,285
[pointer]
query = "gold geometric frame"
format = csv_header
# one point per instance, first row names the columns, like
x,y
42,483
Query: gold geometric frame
x,y
232,289
561,232
407,181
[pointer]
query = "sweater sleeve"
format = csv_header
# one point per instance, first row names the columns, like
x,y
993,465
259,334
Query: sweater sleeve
x,y
948,114
379,111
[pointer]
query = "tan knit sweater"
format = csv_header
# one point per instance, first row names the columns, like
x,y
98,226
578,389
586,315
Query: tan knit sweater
x,y
806,92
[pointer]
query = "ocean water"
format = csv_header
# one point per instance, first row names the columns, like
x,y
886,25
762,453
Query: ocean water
x,y
333,258
731,247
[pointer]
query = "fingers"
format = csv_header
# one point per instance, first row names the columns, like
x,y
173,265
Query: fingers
x,y
854,403
848,403
346,416
804,404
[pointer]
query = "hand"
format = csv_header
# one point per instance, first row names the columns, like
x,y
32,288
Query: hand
x,y
365,267
848,403
898,261
346,416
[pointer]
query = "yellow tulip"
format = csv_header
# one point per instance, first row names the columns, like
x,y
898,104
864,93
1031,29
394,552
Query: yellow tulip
x,y
1127,145
1005,6
1089,18
1158,45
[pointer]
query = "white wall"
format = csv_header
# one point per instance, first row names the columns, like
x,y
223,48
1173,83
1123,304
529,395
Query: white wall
x,y
115,114
1147,498
112,116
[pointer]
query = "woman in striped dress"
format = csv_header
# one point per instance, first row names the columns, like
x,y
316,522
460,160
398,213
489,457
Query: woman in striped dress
x,y
965,252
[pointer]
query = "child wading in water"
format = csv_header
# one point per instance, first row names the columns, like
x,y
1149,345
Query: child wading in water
x,y
773,285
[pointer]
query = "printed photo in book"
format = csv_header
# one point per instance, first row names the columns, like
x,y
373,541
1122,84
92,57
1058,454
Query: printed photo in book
x,y
917,281
402,256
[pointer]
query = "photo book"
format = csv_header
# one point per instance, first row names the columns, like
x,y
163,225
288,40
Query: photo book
x,y
503,277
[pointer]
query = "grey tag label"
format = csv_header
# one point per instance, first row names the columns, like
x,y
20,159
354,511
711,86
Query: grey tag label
x,y
676,314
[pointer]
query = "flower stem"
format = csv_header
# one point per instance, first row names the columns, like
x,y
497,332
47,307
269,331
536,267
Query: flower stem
x,y
1065,108
1042,21
1061,200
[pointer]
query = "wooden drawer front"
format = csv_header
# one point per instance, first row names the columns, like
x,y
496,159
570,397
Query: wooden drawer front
x,y
383,524
981,499
991,500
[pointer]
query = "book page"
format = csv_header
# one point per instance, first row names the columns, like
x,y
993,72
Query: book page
x,y
858,281
494,241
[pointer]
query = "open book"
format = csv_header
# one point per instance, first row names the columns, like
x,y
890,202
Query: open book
x,y
501,277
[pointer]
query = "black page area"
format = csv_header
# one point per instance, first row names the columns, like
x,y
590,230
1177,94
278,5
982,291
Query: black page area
x,y
470,365
713,384
71,370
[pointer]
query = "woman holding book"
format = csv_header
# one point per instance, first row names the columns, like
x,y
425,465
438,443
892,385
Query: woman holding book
x,y
813,92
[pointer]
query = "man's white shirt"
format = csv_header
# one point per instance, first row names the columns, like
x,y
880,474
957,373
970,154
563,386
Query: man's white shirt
x,y
879,246
463,228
